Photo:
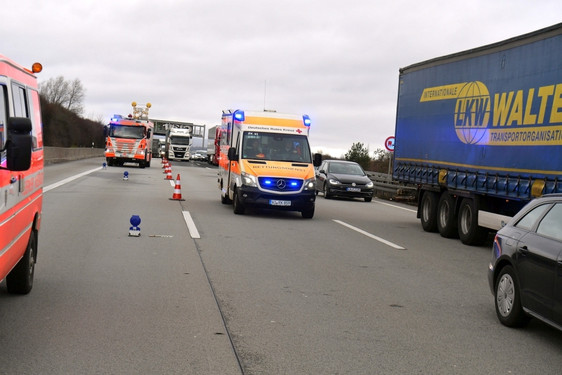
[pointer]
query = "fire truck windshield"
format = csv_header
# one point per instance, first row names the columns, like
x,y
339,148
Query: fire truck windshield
x,y
121,131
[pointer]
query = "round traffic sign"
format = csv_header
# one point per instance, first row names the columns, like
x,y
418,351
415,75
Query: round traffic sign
x,y
389,143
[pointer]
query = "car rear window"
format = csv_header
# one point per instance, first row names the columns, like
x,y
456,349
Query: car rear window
x,y
528,221
551,225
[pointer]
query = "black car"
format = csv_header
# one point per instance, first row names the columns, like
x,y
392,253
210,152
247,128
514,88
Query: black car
x,y
343,179
525,274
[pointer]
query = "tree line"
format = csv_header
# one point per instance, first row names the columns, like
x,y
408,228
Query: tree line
x,y
360,154
62,105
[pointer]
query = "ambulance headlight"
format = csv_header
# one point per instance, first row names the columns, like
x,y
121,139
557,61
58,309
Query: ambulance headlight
x,y
249,180
310,184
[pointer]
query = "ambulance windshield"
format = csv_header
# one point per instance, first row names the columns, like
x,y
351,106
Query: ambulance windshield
x,y
275,146
121,131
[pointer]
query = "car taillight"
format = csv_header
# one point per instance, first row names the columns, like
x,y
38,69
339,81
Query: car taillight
x,y
497,247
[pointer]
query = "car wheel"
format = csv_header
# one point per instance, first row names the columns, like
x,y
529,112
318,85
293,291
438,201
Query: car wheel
x,y
446,216
508,300
429,211
237,205
20,279
368,199
327,194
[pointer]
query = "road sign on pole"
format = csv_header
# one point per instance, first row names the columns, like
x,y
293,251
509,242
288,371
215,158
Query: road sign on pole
x,y
389,144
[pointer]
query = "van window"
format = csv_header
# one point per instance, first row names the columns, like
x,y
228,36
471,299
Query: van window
x,y
37,131
20,101
3,116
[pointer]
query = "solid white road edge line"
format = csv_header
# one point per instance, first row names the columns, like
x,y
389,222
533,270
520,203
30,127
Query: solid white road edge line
x,y
67,180
190,225
370,235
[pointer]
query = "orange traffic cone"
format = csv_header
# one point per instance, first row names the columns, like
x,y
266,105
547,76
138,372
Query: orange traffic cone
x,y
169,174
177,190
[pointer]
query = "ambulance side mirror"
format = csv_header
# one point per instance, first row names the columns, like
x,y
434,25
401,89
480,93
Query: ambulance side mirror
x,y
317,160
19,144
232,155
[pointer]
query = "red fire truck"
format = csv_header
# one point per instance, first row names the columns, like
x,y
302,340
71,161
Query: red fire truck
x,y
21,174
129,139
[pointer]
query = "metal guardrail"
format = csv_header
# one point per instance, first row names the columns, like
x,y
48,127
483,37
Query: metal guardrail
x,y
385,187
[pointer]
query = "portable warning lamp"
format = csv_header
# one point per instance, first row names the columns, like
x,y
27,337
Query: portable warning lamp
x,y
125,175
134,230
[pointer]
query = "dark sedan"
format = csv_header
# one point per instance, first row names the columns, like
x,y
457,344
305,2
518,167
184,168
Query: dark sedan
x,y
525,274
339,178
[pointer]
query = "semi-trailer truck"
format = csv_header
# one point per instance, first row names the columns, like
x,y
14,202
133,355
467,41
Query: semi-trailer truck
x,y
480,132
178,142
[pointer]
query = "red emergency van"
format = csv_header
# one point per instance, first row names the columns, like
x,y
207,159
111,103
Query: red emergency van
x,y
21,174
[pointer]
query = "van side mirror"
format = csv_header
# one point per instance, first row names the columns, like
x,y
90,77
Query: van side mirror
x,y
19,144
232,155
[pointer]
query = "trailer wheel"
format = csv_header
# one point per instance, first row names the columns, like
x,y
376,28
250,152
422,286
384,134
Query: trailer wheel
x,y
469,231
428,212
447,216
20,279
237,205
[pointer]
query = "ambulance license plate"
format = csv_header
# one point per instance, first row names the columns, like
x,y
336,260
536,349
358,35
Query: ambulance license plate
x,y
354,189
274,202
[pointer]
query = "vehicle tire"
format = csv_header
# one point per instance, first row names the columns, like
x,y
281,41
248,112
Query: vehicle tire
x,y
327,194
428,212
507,299
469,231
20,279
308,213
368,199
447,216
224,198
237,205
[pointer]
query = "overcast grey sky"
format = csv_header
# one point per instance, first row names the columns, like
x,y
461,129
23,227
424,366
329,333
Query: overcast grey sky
x,y
336,61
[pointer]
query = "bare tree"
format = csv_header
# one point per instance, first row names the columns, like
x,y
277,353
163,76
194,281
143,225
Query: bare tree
x,y
76,95
69,94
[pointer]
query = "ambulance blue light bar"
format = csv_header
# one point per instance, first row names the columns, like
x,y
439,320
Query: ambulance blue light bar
x,y
239,115
306,120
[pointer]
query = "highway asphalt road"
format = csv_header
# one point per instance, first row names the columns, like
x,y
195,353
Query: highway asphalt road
x,y
358,289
